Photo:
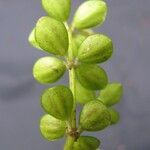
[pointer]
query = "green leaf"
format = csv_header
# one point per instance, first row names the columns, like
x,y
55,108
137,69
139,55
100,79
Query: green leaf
x,y
90,14
48,69
115,117
58,102
95,49
32,40
111,94
52,128
94,116
58,9
91,76
84,95
48,35
86,143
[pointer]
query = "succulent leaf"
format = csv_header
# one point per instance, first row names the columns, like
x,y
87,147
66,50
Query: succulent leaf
x,y
52,128
58,102
111,94
91,76
58,9
95,49
48,34
90,14
48,69
94,116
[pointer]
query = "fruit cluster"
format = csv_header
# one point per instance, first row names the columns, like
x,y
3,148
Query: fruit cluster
x,y
79,50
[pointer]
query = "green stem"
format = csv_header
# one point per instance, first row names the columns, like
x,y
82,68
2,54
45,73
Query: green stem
x,y
69,143
70,139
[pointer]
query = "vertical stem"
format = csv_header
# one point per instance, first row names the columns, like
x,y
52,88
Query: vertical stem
x,y
70,139
69,143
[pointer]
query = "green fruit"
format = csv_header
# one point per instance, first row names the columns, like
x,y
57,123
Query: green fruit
x,y
52,128
32,40
58,102
86,143
48,34
48,69
83,95
94,116
111,94
115,117
90,14
58,9
95,49
91,76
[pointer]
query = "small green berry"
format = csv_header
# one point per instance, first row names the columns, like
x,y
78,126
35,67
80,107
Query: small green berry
x,y
91,76
94,116
111,94
83,95
58,9
48,34
86,143
48,69
58,102
115,117
90,14
95,49
52,128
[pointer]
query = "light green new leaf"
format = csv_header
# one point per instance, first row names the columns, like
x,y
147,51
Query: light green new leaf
x,y
90,14
92,76
52,128
95,49
52,36
48,69
58,9
111,94
58,102
94,116
86,143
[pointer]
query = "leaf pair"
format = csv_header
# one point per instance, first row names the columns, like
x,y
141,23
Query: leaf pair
x,y
58,103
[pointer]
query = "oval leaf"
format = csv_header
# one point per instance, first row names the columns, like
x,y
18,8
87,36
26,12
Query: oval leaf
x,y
94,116
86,143
48,69
84,95
52,128
95,49
91,76
58,102
58,9
90,14
111,94
48,35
